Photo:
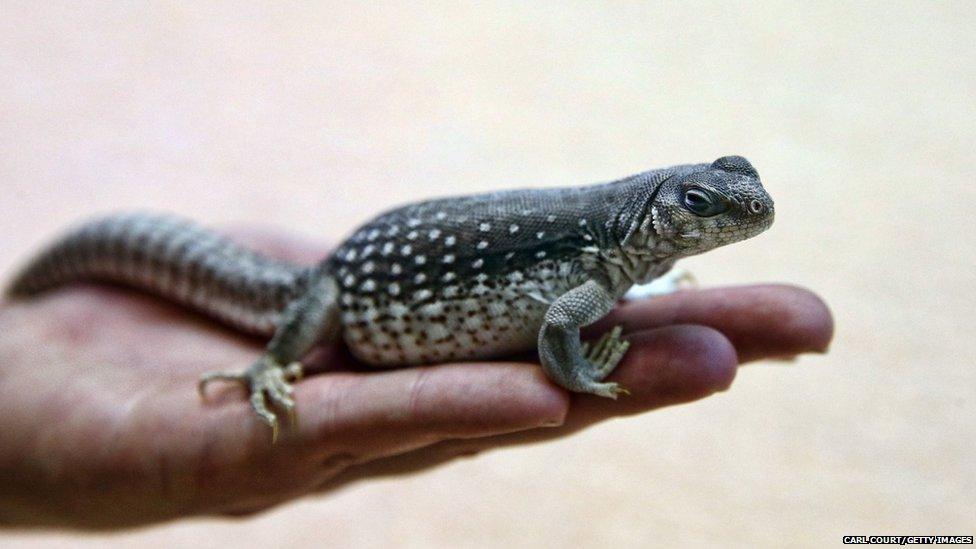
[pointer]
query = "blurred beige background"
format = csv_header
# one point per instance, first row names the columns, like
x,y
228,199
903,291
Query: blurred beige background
x,y
312,117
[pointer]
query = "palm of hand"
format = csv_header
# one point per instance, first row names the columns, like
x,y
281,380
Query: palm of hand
x,y
102,425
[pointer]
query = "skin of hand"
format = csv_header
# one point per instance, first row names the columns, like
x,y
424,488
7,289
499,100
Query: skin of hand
x,y
101,425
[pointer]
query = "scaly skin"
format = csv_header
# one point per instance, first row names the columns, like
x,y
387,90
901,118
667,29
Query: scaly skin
x,y
441,280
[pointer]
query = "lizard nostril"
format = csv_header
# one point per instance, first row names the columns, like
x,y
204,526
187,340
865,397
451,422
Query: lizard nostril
x,y
755,206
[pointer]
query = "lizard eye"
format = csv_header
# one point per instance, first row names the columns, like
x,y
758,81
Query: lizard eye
x,y
702,204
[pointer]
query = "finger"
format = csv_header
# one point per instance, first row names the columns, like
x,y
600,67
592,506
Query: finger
x,y
762,321
666,366
377,414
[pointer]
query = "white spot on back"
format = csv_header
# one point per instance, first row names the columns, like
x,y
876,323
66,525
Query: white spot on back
x,y
482,245
449,258
550,218
432,309
513,228
413,222
582,222
349,281
419,278
406,250
412,235
540,254
440,215
540,234
373,234
422,294
387,248
448,276
433,234
450,291
450,241
396,269
369,285
368,267
420,259
478,263
393,288
484,227
393,230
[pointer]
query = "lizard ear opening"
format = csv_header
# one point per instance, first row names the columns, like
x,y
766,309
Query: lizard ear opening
x,y
735,164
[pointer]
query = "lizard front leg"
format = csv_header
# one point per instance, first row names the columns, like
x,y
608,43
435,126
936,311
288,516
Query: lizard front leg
x,y
565,360
312,317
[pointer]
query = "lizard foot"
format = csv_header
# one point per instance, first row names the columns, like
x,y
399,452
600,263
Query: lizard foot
x,y
602,357
606,353
268,382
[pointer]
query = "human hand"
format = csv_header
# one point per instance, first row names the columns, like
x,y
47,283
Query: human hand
x,y
101,425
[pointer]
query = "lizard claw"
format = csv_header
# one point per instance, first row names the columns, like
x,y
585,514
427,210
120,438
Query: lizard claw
x,y
269,385
609,390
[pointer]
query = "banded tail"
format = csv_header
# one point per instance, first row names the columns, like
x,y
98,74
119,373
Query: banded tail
x,y
174,258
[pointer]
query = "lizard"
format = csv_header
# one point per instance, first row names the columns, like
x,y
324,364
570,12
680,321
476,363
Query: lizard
x,y
466,277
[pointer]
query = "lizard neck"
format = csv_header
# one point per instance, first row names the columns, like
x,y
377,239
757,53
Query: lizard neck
x,y
631,246
625,270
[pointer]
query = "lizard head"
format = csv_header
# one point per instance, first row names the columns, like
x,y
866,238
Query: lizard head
x,y
704,206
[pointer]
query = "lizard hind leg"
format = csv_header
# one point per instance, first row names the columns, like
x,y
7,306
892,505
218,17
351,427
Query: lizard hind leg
x,y
311,318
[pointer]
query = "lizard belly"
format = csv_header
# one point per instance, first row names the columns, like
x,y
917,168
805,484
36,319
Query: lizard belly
x,y
487,317
446,330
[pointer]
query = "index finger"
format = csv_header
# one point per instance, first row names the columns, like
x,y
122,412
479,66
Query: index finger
x,y
761,321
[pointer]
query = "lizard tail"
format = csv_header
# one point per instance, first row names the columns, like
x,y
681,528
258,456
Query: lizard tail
x,y
175,258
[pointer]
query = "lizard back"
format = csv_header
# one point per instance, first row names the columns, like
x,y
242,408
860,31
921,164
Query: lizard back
x,y
467,277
